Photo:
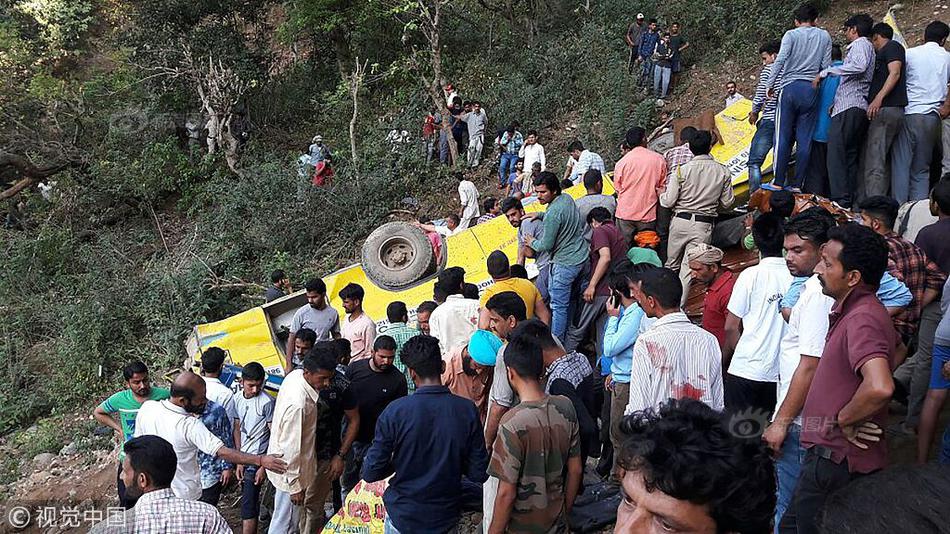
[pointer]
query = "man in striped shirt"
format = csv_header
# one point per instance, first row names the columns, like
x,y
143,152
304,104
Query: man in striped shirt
x,y
762,116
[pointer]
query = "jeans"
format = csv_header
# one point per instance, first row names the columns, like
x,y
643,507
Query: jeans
x,y
389,528
647,73
819,479
661,80
560,287
354,465
795,120
943,456
506,167
761,144
913,150
845,140
788,467
286,517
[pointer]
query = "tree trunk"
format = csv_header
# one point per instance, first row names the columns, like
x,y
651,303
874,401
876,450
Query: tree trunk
x,y
355,81
340,39
435,92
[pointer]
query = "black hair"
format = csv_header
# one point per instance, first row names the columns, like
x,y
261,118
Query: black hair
x,y
687,133
422,354
489,204
253,371
836,52
532,132
135,367
352,291
426,306
518,271
537,331
732,82
701,143
454,218
153,456
341,346
618,279
510,203
524,355
662,284
592,177
277,276
566,183
902,498
634,137
470,291
691,452
575,145
862,250
316,285
307,335
782,203
806,12
439,293
384,343
769,235
397,312
498,265
316,358
881,208
511,128
936,32
883,29
550,181
941,195
810,227
451,280
212,359
508,304
459,176
861,22
770,47
652,21
599,214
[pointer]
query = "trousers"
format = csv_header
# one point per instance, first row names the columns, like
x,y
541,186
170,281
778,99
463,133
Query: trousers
x,y
661,81
913,150
286,517
819,479
882,132
560,288
761,144
788,467
475,145
683,234
845,140
795,119
915,372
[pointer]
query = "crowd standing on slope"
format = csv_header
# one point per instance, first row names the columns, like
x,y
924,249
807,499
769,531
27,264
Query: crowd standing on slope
x,y
770,415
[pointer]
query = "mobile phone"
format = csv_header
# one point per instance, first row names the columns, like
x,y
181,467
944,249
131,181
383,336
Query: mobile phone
x,y
614,299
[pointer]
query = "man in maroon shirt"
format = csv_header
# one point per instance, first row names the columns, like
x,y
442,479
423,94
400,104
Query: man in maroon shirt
x,y
846,405
705,265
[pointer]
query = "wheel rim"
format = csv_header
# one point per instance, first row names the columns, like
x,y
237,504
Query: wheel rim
x,y
396,254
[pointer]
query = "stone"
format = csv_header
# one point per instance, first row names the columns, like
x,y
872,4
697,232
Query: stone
x,y
71,448
43,459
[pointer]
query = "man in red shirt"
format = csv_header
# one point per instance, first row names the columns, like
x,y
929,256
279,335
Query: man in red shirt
x,y
638,178
846,405
705,265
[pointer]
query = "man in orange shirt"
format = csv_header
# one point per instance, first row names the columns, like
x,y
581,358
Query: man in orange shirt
x,y
639,177
469,369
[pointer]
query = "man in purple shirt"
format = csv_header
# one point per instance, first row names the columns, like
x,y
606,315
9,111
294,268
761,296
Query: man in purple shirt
x,y
849,120
847,403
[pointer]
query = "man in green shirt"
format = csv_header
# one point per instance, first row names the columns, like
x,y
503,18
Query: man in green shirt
x,y
126,403
398,316
564,237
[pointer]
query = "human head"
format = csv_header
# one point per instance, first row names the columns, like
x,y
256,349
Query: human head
x,y
594,181
189,391
512,209
352,297
701,143
858,26
252,379
782,203
476,105
316,291
482,349
685,469
936,32
136,378
539,332
319,366
421,354
675,28
768,234
505,311
452,221
397,312
318,139
705,262
547,187
303,342
575,148
731,88
498,266
525,362
212,360
279,278
665,36
518,271
687,134
489,205
519,166
881,33
879,213
836,52
423,312
806,13
660,291
470,291
652,25
149,465
805,234
511,128
341,347
769,50
599,216
940,198
452,280
635,137
384,352
853,256
531,138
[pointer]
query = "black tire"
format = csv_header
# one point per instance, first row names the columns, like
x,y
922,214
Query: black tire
x,y
396,255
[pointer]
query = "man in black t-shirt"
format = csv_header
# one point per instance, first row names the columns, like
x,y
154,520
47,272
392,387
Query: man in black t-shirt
x,y
374,383
887,97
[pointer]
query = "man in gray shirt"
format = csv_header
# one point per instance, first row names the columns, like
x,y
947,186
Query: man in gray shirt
x,y
595,197
316,315
513,210
475,120
804,52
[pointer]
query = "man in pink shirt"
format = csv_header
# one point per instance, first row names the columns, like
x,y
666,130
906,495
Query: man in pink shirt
x,y
639,177
357,327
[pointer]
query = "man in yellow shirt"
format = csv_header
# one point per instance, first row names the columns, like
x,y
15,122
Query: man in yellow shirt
x,y
500,271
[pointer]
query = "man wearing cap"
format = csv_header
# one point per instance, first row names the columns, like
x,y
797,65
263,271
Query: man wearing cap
x,y
705,267
469,368
633,41
319,151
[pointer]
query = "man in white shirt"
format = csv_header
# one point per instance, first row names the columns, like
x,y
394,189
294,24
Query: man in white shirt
x,y
175,420
754,324
455,320
585,160
357,327
732,94
212,362
468,199
928,71
532,151
293,439
674,358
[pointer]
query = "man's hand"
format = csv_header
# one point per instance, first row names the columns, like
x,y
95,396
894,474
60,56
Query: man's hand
x,y
239,472
272,462
259,476
770,92
226,477
747,221
945,371
611,309
943,111
753,117
863,434
528,240
336,467
774,436
297,498
589,293
609,382
874,108
816,82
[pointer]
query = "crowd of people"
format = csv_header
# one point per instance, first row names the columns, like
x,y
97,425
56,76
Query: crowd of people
x,y
767,414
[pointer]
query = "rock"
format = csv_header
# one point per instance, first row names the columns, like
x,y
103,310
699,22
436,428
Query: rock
x,y
71,448
43,459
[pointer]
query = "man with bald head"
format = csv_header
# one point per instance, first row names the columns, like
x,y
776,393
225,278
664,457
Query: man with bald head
x,y
176,420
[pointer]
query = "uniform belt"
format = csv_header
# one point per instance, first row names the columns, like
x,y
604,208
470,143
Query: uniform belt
x,y
709,219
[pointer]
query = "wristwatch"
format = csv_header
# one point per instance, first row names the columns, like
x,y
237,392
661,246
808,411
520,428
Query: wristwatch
x,y
341,454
